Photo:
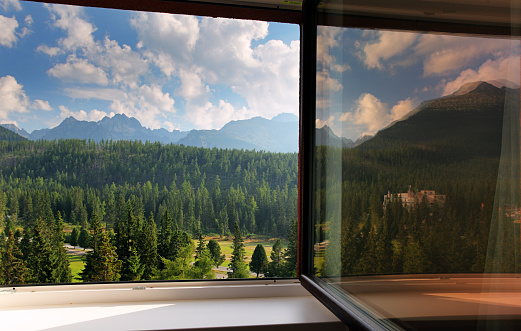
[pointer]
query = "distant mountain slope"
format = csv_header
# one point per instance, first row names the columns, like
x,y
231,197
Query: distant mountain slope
x,y
324,136
467,122
280,134
8,135
16,129
119,127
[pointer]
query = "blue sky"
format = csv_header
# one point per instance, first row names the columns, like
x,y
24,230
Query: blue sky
x,y
183,72
368,79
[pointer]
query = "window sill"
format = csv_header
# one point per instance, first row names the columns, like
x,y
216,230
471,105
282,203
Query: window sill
x,y
248,305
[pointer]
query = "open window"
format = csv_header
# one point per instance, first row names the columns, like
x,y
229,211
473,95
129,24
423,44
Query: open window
x,y
412,188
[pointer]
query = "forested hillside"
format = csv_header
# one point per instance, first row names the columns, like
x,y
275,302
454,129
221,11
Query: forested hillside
x,y
451,145
8,135
210,187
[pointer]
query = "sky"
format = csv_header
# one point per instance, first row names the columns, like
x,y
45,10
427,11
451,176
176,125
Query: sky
x,y
366,79
183,72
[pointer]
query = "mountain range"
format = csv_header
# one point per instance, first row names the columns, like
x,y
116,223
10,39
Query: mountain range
x,y
280,134
473,108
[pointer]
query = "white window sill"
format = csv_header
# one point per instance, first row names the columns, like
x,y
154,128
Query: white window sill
x,y
248,305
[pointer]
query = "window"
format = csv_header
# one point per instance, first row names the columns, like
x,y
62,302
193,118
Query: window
x,y
155,139
330,214
415,185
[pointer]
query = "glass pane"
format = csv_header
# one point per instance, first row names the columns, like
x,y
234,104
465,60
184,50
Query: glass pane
x,y
417,189
145,146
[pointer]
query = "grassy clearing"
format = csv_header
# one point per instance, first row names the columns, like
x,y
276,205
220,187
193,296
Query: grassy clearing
x,y
249,246
76,265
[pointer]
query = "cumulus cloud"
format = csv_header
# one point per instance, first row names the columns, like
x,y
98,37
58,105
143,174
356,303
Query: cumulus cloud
x,y
328,38
14,99
207,51
124,65
81,115
439,54
210,116
145,103
372,114
387,45
445,54
41,104
79,70
319,123
8,27
6,4
168,39
79,30
196,53
502,68
51,51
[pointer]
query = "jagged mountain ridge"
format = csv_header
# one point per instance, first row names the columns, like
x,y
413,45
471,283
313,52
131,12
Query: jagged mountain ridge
x,y
280,134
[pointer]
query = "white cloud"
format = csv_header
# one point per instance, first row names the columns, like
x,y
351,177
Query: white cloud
x,y
328,38
79,31
81,115
210,116
192,85
439,54
8,31
51,51
14,99
372,114
125,65
169,39
326,84
146,104
445,54
388,44
207,51
6,4
402,108
272,87
79,70
171,126
321,123
498,69
41,104
25,30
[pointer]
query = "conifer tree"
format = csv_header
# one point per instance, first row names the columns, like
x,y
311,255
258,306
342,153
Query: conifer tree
x,y
290,253
74,237
275,266
215,252
165,245
128,242
62,272
238,266
12,269
102,262
41,259
148,249
259,260
84,238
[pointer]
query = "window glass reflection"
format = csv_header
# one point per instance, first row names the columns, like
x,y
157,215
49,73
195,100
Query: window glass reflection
x,y
417,172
